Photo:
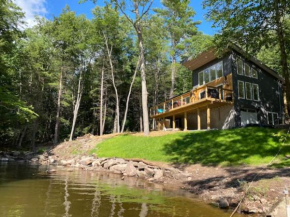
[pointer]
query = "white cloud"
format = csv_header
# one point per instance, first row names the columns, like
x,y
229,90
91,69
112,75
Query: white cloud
x,y
32,8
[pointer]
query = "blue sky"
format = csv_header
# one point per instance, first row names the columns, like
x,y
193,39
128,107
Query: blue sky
x,y
50,8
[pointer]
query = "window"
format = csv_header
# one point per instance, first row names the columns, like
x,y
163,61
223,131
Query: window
x,y
248,91
273,118
212,73
241,89
206,76
247,70
219,69
200,78
240,67
256,92
254,73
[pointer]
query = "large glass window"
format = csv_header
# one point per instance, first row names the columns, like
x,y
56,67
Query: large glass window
x,y
254,73
200,78
247,70
219,69
241,89
248,90
206,76
212,73
256,92
240,67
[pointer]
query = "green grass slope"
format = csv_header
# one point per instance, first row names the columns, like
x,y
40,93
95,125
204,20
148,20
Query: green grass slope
x,y
243,146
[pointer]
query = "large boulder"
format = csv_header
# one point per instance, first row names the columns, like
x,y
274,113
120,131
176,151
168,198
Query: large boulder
x,y
86,161
119,168
130,170
158,174
67,162
149,172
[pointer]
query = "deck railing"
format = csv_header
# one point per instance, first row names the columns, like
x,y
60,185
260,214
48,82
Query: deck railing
x,y
193,96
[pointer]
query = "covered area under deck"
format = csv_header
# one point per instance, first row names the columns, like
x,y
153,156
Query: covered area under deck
x,y
206,115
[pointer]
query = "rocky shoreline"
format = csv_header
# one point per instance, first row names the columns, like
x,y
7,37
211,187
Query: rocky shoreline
x,y
214,193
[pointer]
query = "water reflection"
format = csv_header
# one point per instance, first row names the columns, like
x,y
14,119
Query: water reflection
x,y
27,191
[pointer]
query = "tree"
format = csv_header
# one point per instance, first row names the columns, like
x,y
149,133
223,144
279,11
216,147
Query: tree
x,y
179,25
251,25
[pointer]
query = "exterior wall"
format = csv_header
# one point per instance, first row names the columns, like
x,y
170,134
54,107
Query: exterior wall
x,y
270,93
223,117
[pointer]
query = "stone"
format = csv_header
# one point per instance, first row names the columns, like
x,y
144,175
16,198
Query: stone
x,y
256,198
67,162
113,162
223,203
51,171
51,160
149,172
86,161
34,159
141,166
4,159
141,174
130,169
158,174
41,158
119,168
263,201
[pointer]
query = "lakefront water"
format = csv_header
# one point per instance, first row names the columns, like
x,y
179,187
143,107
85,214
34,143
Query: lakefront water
x,y
28,191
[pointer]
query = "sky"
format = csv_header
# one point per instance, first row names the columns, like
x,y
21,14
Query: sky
x,y
51,8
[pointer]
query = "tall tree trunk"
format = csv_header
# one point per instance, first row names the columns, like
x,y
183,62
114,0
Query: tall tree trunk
x,y
156,86
173,71
56,129
101,102
140,114
34,128
283,53
109,52
21,137
77,105
129,94
138,29
105,113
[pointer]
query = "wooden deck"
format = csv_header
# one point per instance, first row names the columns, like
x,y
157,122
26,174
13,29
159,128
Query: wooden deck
x,y
203,97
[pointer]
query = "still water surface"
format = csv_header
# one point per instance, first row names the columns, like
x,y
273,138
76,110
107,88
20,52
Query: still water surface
x,y
27,191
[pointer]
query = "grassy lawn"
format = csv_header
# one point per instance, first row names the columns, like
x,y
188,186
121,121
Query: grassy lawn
x,y
243,146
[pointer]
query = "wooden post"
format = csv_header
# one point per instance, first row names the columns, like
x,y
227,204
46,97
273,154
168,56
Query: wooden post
x,y
208,117
163,123
173,122
220,94
206,92
164,107
185,121
198,119
171,104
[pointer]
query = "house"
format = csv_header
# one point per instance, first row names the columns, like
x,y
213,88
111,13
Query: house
x,y
230,91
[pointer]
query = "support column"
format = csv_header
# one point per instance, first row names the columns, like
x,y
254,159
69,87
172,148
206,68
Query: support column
x,y
163,123
173,122
208,117
198,119
185,121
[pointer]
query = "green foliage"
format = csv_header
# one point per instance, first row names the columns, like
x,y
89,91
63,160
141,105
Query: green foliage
x,y
245,146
